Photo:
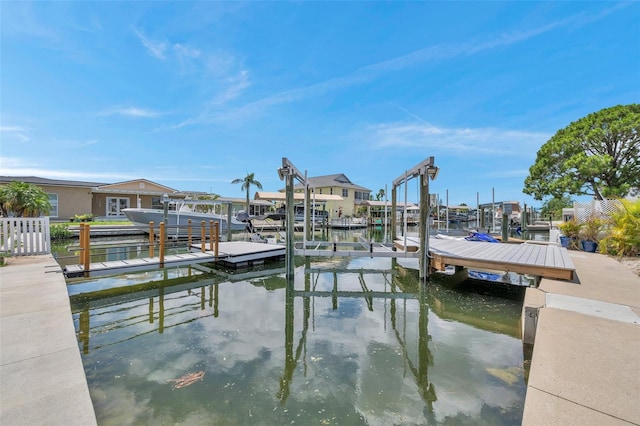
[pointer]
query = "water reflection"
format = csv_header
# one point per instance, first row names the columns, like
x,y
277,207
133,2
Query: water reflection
x,y
352,341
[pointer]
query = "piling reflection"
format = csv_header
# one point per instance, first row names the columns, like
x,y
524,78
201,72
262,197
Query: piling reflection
x,y
392,294
358,342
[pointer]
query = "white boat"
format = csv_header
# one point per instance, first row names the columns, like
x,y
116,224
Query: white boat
x,y
178,218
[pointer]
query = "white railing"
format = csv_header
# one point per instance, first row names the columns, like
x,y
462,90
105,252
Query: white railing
x,y
23,236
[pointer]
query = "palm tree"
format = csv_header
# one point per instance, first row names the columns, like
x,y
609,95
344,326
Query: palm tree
x,y
22,199
246,182
380,194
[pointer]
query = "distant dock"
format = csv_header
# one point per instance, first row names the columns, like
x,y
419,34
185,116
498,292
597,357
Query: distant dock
x,y
235,254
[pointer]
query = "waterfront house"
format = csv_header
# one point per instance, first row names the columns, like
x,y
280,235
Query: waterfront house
x,y
105,200
352,195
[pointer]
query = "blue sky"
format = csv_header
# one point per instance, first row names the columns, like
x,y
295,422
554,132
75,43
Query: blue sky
x,y
194,95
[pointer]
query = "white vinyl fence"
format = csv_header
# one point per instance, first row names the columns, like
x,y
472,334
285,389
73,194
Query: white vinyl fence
x,y
23,236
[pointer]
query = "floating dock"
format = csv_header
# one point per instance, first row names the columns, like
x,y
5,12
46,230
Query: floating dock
x,y
541,260
235,254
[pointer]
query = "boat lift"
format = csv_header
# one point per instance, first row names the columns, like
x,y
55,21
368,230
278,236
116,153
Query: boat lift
x,y
424,170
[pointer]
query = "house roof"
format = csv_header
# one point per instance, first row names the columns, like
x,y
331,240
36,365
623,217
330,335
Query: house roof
x,y
339,180
50,182
281,196
375,203
254,202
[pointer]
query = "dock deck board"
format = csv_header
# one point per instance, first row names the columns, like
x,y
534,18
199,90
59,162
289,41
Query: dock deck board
x,y
549,261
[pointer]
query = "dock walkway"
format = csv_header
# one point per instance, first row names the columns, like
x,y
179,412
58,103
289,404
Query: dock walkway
x,y
585,368
42,380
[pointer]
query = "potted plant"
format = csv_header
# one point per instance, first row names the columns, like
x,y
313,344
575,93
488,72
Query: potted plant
x,y
570,233
589,233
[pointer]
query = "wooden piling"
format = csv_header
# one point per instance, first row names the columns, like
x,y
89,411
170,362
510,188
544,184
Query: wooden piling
x,y
216,235
87,249
505,227
151,240
163,235
203,237
211,235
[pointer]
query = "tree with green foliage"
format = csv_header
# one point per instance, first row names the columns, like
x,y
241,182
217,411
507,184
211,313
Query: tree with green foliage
x,y
553,207
20,199
598,155
380,194
246,182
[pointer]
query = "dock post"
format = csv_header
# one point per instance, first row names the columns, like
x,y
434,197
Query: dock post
x,y
87,242
203,237
216,235
423,226
151,240
163,234
82,248
505,227
393,213
229,223
211,235
289,228
189,233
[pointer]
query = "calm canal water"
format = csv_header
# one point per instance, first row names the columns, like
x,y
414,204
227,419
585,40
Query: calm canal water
x,y
351,341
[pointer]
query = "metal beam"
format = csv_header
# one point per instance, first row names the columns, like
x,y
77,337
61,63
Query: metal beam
x,y
422,168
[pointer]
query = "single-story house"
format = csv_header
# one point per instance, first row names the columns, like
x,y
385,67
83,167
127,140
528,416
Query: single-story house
x,y
106,200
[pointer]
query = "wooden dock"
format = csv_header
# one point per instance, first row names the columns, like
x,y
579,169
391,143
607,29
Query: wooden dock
x,y
236,254
542,260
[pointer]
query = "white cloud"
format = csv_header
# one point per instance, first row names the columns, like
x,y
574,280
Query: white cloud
x,y
155,49
463,141
15,132
371,72
131,112
186,51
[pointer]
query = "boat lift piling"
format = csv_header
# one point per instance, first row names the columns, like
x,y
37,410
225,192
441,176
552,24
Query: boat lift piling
x,y
288,172
425,170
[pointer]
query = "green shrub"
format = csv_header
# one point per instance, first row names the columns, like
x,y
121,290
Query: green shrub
x,y
623,238
571,229
60,231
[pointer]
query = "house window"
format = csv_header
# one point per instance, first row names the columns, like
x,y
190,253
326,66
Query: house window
x,y
345,193
115,206
361,195
53,200
156,203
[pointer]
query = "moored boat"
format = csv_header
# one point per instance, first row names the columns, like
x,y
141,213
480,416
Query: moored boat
x,y
178,219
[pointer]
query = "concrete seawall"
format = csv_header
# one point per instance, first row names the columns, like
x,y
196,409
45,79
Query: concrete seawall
x,y
585,368
42,380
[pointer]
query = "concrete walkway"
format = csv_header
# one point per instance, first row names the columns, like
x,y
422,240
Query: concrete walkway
x,y
585,368
42,380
